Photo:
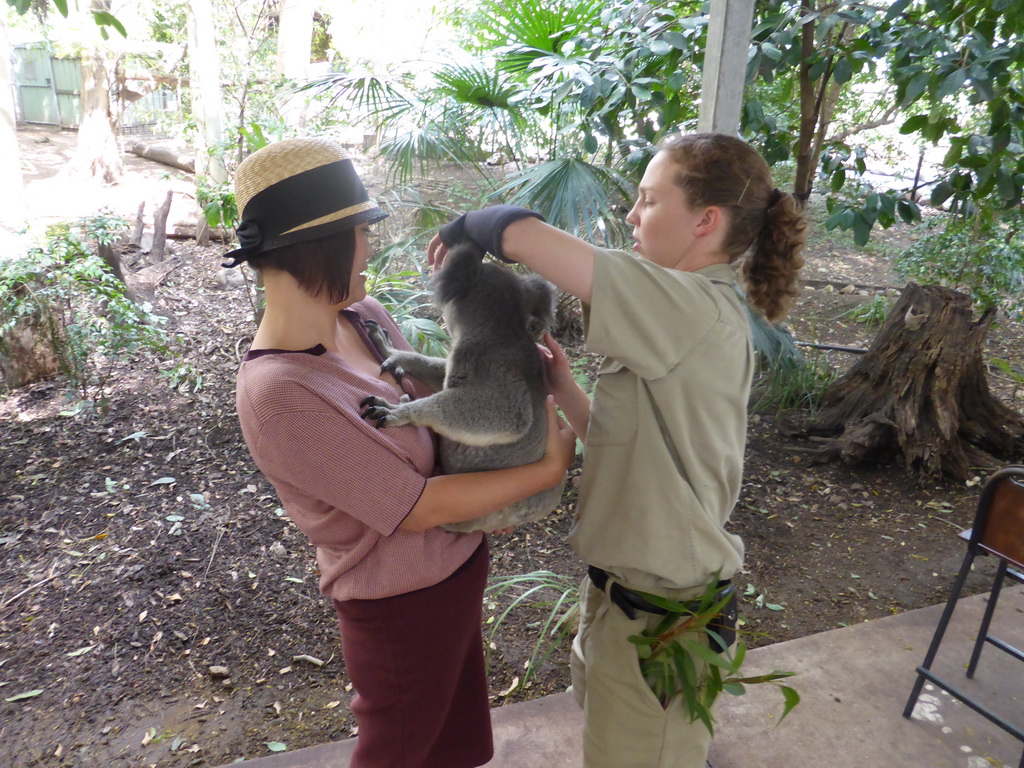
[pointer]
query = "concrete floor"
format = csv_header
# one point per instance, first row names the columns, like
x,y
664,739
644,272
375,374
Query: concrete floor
x,y
853,682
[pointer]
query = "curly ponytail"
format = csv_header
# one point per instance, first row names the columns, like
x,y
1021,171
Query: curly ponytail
x,y
770,271
765,225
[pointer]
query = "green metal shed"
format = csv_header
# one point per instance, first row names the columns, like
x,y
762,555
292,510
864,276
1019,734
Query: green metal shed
x,y
49,88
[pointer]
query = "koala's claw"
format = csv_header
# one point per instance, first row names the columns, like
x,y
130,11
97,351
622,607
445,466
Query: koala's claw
x,y
376,411
390,366
372,327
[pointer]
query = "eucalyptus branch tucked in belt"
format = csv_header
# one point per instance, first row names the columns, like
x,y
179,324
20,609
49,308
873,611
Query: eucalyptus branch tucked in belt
x,y
671,653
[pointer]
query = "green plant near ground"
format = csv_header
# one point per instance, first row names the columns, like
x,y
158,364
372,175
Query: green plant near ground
x,y
184,378
556,595
872,312
984,261
675,661
1007,370
792,383
87,319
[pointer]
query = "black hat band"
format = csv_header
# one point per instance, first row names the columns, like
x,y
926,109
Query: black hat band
x,y
334,189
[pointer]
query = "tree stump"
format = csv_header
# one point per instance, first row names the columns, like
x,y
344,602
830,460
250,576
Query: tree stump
x,y
921,392
139,226
26,352
156,253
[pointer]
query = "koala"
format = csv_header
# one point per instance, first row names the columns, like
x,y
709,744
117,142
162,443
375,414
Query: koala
x,y
488,408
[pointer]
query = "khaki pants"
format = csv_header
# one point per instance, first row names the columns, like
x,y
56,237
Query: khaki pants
x,y
624,725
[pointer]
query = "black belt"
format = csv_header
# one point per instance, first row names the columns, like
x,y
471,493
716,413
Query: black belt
x,y
630,602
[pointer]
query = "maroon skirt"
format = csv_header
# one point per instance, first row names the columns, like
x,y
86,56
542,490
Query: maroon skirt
x,y
417,664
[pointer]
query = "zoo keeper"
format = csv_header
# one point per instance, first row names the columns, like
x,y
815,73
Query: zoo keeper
x,y
665,433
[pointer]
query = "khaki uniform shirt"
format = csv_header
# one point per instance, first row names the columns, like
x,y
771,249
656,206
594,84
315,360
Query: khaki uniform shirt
x,y
663,457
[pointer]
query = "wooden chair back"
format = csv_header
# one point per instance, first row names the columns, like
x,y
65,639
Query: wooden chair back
x,y
999,523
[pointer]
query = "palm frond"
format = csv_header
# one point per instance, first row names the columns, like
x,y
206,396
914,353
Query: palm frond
x,y
475,85
575,196
480,96
413,149
525,30
368,97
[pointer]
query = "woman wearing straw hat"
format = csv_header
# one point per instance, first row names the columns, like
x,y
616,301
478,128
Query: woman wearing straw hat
x,y
407,593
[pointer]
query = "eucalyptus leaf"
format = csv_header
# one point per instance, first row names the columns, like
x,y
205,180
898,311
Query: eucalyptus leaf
x,y
23,696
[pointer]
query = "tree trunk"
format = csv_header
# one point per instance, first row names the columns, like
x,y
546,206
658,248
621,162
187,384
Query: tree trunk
x,y
294,44
804,174
140,225
98,154
921,392
204,64
26,352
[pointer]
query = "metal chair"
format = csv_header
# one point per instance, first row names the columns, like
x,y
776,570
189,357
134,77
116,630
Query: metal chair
x,y
999,531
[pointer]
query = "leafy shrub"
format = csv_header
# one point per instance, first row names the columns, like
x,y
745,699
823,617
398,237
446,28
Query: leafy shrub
x,y
89,322
218,201
871,313
402,290
792,383
986,262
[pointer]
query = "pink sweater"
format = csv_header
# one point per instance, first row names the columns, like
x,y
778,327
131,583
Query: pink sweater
x,y
346,484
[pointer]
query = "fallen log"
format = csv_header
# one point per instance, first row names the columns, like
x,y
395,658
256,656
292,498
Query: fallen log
x,y
164,156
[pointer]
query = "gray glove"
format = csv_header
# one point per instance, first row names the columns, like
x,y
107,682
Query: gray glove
x,y
485,227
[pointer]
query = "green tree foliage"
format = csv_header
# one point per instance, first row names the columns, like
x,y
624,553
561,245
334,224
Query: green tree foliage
x,y
103,19
586,87
986,262
952,71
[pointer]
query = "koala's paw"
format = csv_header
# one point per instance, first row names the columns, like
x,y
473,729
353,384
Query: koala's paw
x,y
391,366
381,412
376,410
375,331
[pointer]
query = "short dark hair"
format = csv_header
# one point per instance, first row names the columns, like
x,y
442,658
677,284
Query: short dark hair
x,y
322,267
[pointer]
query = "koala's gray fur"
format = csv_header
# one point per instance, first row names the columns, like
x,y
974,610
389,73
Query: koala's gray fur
x,y
489,411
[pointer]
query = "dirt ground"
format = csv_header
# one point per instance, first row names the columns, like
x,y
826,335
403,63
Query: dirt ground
x,y
158,609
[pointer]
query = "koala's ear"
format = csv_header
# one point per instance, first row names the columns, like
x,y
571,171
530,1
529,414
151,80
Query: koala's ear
x,y
540,304
459,273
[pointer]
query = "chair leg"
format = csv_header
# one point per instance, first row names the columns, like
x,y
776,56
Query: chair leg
x,y
940,630
986,620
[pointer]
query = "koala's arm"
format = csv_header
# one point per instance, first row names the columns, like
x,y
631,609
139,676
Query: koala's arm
x,y
494,415
399,362
429,370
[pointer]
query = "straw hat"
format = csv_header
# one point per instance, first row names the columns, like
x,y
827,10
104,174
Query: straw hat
x,y
297,190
